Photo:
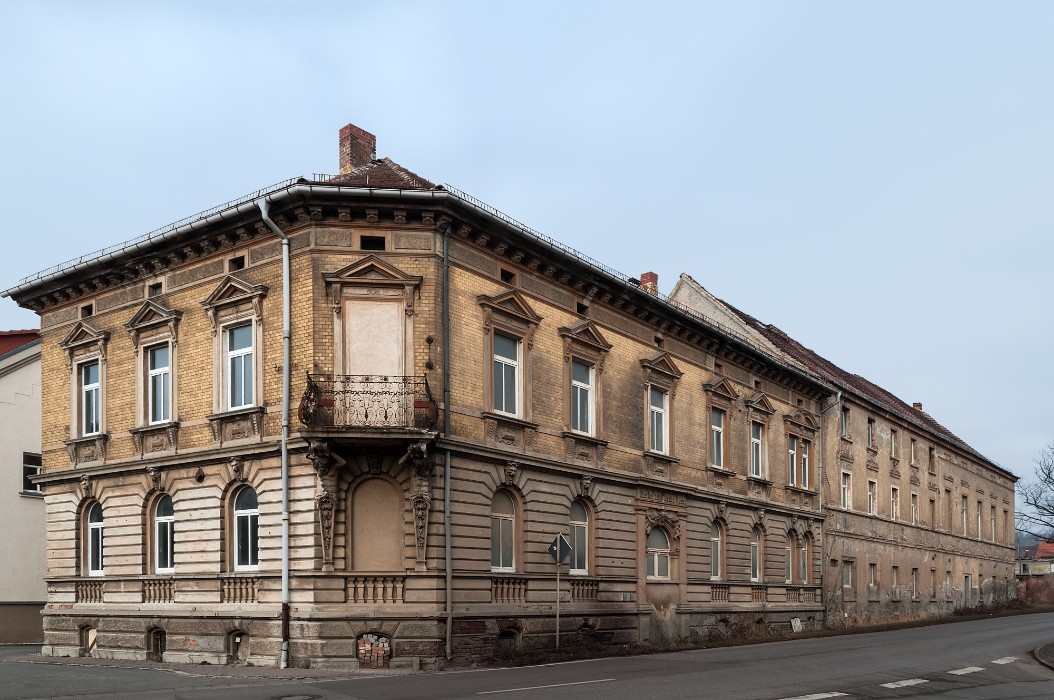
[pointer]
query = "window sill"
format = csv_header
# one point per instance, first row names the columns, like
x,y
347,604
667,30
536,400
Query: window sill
x,y
721,470
591,439
872,450
158,437
31,494
239,424
90,448
509,418
801,489
759,480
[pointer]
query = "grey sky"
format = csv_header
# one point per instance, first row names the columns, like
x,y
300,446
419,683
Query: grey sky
x,y
874,178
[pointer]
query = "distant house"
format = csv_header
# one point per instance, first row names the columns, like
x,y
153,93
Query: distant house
x,y
22,588
1035,560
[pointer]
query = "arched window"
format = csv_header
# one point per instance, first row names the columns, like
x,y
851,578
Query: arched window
x,y
757,554
164,535
716,550
95,539
246,531
791,548
502,532
579,538
804,557
658,553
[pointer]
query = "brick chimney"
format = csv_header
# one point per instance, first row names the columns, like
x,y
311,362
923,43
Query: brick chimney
x,y
649,282
917,406
357,148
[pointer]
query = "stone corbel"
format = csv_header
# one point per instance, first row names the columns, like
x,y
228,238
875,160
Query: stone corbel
x,y
510,473
154,476
326,465
585,487
421,502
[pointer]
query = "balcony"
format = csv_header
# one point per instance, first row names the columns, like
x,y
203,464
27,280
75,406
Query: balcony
x,y
368,401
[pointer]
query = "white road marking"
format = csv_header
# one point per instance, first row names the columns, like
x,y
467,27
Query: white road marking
x,y
816,696
964,671
904,684
538,687
1005,660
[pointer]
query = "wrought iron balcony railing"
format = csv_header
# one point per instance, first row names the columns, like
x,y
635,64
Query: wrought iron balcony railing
x,y
367,401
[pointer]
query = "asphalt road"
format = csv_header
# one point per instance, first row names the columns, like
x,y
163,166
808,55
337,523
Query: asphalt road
x,y
967,660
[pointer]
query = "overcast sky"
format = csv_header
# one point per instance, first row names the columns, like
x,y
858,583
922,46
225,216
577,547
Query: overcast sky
x,y
873,178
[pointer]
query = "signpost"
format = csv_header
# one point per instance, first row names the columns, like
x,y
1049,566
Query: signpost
x,y
559,550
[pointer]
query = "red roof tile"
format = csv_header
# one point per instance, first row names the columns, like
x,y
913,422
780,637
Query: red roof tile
x,y
383,173
9,340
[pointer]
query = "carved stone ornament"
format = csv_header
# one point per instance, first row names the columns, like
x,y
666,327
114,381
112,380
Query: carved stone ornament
x,y
585,486
421,502
666,519
375,462
759,515
319,455
232,291
238,468
154,475
326,504
510,473
86,486
721,507
419,456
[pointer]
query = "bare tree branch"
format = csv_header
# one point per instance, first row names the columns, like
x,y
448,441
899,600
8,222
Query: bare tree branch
x,y
1035,514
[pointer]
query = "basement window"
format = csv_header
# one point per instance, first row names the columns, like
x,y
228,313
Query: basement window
x,y
507,276
371,242
237,263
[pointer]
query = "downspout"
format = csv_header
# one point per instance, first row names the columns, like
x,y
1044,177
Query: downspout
x,y
823,520
446,435
286,341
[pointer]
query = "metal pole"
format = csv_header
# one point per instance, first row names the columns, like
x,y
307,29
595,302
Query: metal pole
x,y
558,595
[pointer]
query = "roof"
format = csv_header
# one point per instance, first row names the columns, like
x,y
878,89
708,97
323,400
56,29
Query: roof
x,y
383,173
1044,550
11,340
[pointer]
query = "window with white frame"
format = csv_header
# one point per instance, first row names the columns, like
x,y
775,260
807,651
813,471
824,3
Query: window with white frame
x,y
788,561
872,487
502,532
804,480
657,554
894,503
658,425
582,404
847,491
843,425
90,398
757,554
717,438
506,374
914,583
31,469
164,535
716,550
872,574
894,576
980,506
246,530
871,432
804,557
992,523
847,574
95,540
914,509
792,460
579,538
911,455
238,348
159,383
965,508
757,449
892,444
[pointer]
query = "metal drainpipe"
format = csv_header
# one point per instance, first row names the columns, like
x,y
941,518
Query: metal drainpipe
x,y
446,435
286,341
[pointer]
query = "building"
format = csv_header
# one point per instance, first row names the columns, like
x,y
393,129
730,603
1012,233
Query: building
x,y
917,522
1035,560
22,589
463,389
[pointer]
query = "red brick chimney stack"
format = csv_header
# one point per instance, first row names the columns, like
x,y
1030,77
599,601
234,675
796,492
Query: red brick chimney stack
x,y
649,282
357,148
917,406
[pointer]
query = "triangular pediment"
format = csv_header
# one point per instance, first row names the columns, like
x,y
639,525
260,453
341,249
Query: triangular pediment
x,y
511,303
586,333
83,334
663,364
231,290
802,421
760,402
721,387
151,314
370,269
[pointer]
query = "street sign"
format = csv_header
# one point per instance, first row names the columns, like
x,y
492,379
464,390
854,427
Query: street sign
x,y
560,549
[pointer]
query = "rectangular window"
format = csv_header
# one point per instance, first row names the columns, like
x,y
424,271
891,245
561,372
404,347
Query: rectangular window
x,y
239,350
757,451
892,444
847,495
792,460
914,583
717,438
581,397
871,496
914,509
894,503
992,523
965,506
872,574
912,455
658,428
158,383
933,460
506,370
90,404
843,425
895,577
847,574
31,468
980,507
755,560
933,513
804,481
870,432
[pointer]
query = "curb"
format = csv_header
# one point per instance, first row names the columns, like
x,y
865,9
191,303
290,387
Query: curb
x,y
1045,655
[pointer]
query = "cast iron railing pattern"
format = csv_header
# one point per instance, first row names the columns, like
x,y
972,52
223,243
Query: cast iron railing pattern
x,y
367,401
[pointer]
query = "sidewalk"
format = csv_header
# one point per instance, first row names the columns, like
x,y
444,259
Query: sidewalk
x,y
31,654
1045,655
